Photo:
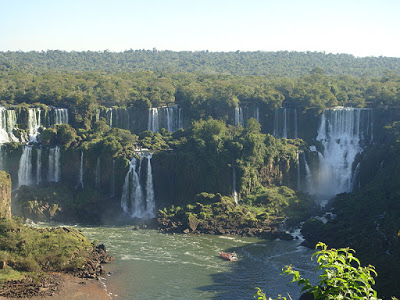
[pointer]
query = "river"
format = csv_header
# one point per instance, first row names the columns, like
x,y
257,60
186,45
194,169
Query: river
x,y
152,265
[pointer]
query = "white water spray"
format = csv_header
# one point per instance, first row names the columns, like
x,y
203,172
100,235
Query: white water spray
x,y
342,132
25,167
54,165
137,201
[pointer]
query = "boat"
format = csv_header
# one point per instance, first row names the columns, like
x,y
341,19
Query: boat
x,y
228,256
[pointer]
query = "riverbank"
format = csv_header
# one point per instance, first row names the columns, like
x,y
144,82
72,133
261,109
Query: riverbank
x,y
66,286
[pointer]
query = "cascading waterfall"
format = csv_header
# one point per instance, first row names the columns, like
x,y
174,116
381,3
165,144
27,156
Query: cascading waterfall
x,y
309,180
38,166
285,123
80,175
150,203
54,165
257,114
239,116
355,175
243,114
60,116
136,201
9,119
168,117
132,190
180,118
343,132
109,117
8,122
97,173
153,124
33,123
25,167
234,192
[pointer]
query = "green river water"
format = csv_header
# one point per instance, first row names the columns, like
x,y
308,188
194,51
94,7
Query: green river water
x,y
151,265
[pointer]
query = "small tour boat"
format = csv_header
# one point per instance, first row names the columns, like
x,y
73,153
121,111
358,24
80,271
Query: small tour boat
x,y
229,256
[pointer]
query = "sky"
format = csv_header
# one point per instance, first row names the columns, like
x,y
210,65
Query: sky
x,y
362,28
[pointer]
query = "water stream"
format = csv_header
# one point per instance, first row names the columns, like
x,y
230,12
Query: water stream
x,y
151,265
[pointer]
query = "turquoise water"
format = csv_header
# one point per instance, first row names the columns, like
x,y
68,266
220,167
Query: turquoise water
x,y
151,265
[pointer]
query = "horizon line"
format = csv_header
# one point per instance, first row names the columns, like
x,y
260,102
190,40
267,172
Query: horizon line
x,y
154,49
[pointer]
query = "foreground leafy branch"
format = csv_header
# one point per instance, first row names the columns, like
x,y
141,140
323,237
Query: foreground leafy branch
x,y
342,276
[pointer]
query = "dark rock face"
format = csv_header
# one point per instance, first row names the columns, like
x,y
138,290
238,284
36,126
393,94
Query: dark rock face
x,y
93,266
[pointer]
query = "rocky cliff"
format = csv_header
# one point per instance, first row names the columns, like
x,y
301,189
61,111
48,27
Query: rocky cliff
x,y
5,195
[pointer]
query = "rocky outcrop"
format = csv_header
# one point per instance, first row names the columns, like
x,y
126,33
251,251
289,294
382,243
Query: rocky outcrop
x,y
93,265
5,195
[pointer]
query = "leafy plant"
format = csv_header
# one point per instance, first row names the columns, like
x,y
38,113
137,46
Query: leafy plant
x,y
342,277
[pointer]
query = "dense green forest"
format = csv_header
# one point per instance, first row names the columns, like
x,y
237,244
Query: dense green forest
x,y
199,95
282,63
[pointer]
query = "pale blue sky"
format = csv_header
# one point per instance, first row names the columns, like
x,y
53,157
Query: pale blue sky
x,y
362,28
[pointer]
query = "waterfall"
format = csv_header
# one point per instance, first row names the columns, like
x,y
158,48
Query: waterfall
x,y
257,114
150,203
54,165
168,117
234,192
309,181
97,173
38,166
8,122
109,117
153,120
180,119
25,167
343,132
285,123
33,123
60,116
132,194
238,116
284,130
80,175
112,181
137,201
355,175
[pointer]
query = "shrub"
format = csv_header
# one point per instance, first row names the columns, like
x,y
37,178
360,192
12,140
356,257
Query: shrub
x,y
342,277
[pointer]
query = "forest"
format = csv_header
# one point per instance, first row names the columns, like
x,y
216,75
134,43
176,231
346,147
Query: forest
x,y
282,63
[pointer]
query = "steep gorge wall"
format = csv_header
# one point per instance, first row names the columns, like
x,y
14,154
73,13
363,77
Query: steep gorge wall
x,y
178,176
